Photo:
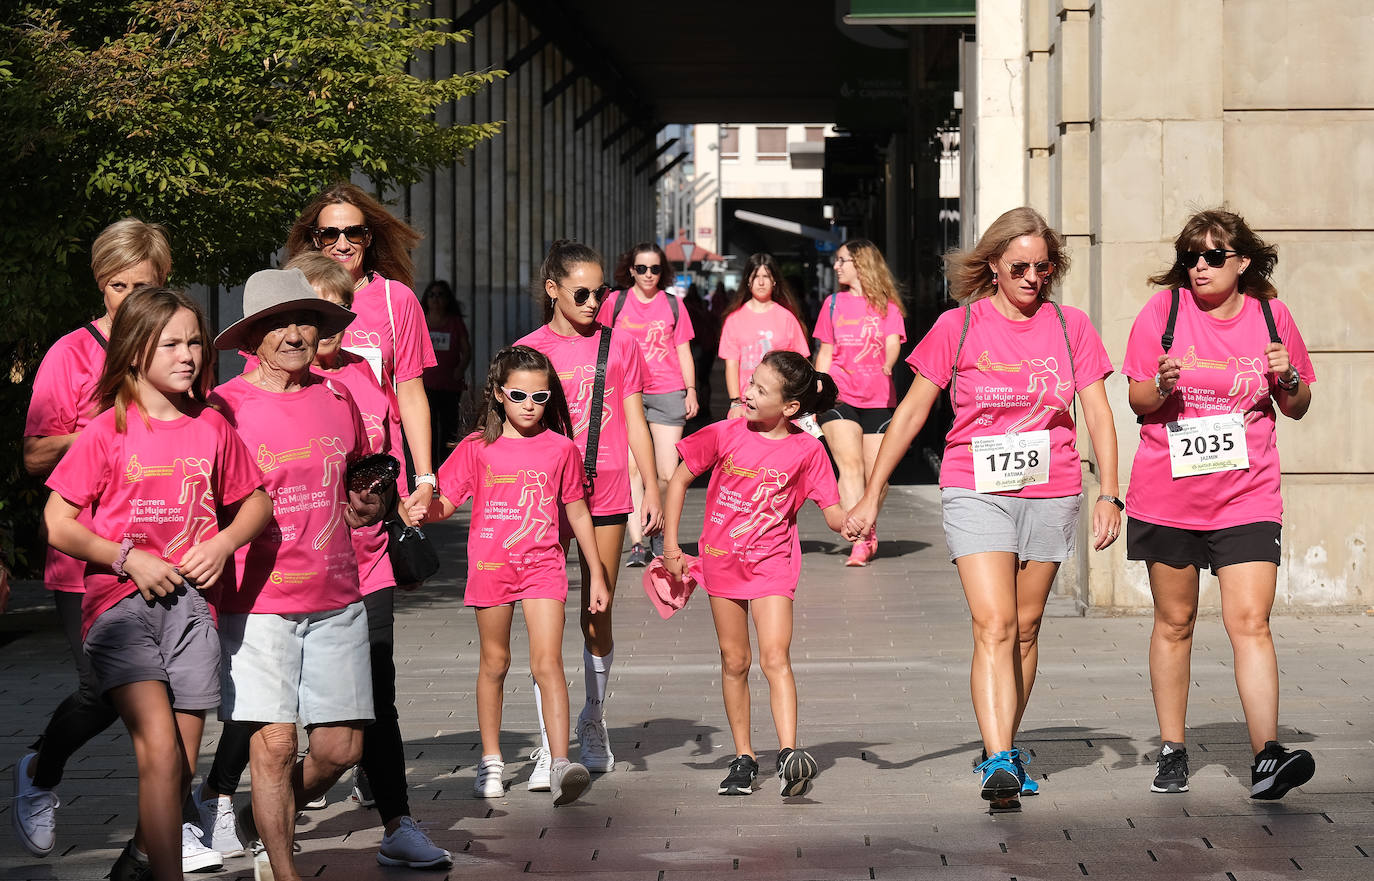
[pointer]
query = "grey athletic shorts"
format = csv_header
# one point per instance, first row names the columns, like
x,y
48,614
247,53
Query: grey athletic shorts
x,y
1033,529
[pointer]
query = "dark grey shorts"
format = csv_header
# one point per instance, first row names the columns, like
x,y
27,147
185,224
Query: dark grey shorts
x,y
172,640
669,408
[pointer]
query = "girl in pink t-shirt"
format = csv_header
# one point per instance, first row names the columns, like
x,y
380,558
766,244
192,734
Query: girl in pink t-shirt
x,y
763,317
572,287
860,331
1010,481
161,472
763,469
522,471
1204,486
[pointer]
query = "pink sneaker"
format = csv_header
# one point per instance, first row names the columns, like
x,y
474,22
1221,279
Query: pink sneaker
x,y
863,551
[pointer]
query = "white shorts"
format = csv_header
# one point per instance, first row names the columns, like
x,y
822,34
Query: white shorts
x,y
315,667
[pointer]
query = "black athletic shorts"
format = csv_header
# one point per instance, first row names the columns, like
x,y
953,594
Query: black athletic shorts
x,y
873,420
1203,548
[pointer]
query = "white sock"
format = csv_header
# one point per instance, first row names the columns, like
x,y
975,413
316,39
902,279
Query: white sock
x,y
596,673
539,710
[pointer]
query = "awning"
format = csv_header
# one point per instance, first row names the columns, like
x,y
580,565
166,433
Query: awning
x,y
675,250
910,12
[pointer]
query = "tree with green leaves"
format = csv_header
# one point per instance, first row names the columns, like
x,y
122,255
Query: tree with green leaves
x,y
216,118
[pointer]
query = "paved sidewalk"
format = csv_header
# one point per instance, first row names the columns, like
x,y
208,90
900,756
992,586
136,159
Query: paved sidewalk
x,y
881,657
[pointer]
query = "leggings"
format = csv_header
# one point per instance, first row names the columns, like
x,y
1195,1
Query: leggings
x,y
82,714
383,749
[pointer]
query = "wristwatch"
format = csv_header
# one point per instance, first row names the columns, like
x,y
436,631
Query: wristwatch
x,y
427,479
1120,505
1290,381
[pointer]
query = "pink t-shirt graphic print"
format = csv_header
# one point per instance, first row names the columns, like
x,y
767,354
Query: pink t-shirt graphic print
x,y
859,336
749,543
749,335
652,323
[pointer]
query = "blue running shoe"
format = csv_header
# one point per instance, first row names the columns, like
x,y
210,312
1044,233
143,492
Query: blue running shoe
x,y
1020,758
1001,782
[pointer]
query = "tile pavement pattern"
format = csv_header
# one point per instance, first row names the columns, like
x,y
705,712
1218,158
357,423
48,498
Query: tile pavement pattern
x,y
881,656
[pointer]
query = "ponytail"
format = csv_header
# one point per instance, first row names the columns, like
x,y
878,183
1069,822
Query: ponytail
x,y
563,255
814,391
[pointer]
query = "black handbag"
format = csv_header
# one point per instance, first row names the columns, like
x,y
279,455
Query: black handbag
x,y
413,557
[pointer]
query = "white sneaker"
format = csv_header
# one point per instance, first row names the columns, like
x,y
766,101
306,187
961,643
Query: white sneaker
x,y
196,857
568,781
262,866
595,741
217,820
35,811
409,846
362,790
318,804
488,784
539,777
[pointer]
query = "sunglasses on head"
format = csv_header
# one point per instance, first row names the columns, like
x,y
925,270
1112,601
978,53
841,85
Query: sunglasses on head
x,y
1042,269
1215,257
518,396
641,269
328,235
581,295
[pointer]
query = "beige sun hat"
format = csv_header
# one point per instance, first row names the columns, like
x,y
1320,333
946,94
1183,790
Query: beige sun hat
x,y
273,291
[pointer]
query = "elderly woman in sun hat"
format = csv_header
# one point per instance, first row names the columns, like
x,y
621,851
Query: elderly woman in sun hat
x,y
292,623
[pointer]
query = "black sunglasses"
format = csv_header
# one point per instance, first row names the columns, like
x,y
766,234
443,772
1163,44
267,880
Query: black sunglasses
x,y
640,269
518,396
1215,257
1042,269
328,235
581,295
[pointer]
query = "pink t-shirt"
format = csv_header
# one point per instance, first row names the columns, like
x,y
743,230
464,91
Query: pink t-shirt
x,y
1225,370
1014,376
859,336
404,354
303,441
652,324
748,335
369,543
749,543
575,360
62,404
165,486
518,487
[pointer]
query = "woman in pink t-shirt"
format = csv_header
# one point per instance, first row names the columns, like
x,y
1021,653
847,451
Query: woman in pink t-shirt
x,y
346,224
860,330
764,469
160,471
660,323
571,286
126,255
762,317
523,472
1209,361
1011,477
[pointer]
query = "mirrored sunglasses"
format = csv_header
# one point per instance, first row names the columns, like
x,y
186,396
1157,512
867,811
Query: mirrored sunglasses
x,y
1042,269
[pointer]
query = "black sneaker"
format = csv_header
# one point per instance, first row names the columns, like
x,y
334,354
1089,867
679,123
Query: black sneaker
x,y
796,768
740,780
1277,770
1171,770
638,557
129,867
656,546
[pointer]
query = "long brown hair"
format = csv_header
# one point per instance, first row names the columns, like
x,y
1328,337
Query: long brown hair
x,y
133,339
880,288
782,292
492,419
624,279
392,238
563,255
970,276
1228,230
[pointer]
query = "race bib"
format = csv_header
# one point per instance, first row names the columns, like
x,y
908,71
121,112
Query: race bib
x,y
373,356
1205,444
1008,462
440,340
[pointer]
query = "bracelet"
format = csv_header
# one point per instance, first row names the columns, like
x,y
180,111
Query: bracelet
x,y
1287,385
672,555
118,566
734,404
1120,505
1159,390
429,479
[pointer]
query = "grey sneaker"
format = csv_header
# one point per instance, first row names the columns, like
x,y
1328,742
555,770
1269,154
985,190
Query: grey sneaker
x,y
595,742
796,769
656,546
410,847
217,822
568,781
638,557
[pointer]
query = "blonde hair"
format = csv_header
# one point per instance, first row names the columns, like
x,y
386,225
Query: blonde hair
x,y
325,275
129,242
969,273
879,287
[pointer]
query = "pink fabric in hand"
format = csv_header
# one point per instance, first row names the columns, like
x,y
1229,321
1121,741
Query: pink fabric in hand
x,y
666,592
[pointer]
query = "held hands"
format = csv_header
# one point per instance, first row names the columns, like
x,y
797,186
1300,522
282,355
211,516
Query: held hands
x,y
153,576
1106,524
1169,369
414,508
860,521
203,563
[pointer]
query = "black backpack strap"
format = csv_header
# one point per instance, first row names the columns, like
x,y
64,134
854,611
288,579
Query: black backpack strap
x,y
603,355
1073,371
1269,322
90,328
1167,338
673,304
954,375
619,304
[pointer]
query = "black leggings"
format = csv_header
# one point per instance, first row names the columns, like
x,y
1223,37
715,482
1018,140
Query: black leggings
x,y
82,714
383,749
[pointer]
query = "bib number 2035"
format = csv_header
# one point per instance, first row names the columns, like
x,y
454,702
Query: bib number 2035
x,y
1207,444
